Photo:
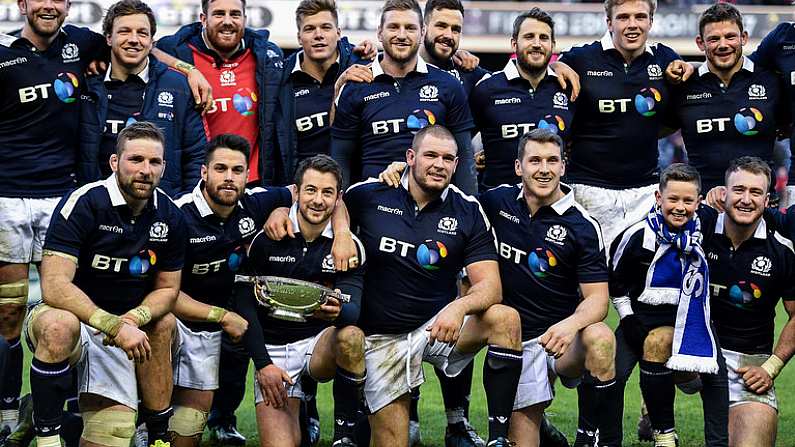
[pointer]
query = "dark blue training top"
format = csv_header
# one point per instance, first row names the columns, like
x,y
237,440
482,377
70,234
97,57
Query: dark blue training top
x,y
467,78
619,115
216,247
39,111
117,254
505,106
544,258
414,255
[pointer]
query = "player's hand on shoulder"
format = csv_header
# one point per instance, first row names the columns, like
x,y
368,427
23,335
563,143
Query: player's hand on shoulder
x,y
557,339
201,89
329,310
715,197
391,175
271,380
354,73
678,71
446,328
567,77
480,160
366,50
96,67
134,342
234,325
756,379
343,250
466,60
279,225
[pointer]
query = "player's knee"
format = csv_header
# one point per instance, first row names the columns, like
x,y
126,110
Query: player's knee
x,y
599,340
187,421
109,427
350,341
56,331
657,346
504,320
162,327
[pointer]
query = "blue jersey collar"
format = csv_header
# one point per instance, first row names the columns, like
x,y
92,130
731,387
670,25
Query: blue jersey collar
x,y
561,205
607,43
422,66
512,71
748,65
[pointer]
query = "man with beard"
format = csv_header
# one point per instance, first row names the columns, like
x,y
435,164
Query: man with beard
x,y
523,96
137,87
731,107
222,217
326,346
377,120
418,237
110,276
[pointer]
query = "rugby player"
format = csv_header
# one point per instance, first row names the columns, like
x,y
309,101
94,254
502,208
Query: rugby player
x,y
110,276
418,236
377,120
326,346
222,217
523,96
732,107
137,87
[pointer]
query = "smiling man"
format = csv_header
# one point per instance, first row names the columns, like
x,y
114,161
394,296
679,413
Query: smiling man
x,y
137,87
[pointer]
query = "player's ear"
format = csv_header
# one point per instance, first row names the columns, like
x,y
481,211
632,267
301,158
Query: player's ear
x,y
204,172
700,43
517,167
114,162
744,38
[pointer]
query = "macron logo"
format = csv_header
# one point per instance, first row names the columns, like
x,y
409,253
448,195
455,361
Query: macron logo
x,y
498,102
510,217
19,60
201,240
599,74
705,95
376,96
386,209
111,228
281,258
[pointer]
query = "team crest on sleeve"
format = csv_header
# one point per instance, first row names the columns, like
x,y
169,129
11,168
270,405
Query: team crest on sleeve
x,y
655,72
761,265
246,226
429,92
447,225
158,232
757,91
328,264
556,234
70,53
165,99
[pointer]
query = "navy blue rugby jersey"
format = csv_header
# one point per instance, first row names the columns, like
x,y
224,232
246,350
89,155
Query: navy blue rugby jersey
x,y
467,78
414,255
216,247
505,106
298,258
381,117
313,100
619,115
720,123
777,52
746,284
39,110
544,258
118,255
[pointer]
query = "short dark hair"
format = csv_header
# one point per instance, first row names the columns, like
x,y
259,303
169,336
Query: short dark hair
x,y
537,14
312,7
227,141
401,5
206,6
720,12
434,130
127,8
541,136
139,130
321,163
680,172
431,5
754,165
610,4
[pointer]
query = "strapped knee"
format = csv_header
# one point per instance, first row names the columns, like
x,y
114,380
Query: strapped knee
x,y
109,427
187,421
14,292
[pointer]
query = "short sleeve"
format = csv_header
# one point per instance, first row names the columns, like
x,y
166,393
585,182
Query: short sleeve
x,y
173,257
263,201
458,117
592,264
480,240
71,224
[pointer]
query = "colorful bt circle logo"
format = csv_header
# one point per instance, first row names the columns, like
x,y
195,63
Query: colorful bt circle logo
x,y
541,261
743,293
646,100
419,119
244,101
746,120
65,86
553,123
430,253
140,263
235,259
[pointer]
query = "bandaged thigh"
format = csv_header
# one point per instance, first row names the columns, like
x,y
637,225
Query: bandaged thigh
x,y
187,421
14,293
109,427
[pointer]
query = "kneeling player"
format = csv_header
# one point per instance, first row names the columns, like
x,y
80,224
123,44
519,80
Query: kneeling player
x,y
418,237
326,346
110,276
222,217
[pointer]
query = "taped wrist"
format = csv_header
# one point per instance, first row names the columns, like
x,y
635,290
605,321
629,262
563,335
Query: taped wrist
x,y
216,314
141,315
105,322
184,67
773,365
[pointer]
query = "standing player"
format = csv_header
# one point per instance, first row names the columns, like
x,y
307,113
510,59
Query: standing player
x,y
222,217
110,277
377,120
523,96
326,346
731,107
418,238
552,263
751,267
137,87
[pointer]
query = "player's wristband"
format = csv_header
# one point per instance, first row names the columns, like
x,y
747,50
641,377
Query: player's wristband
x,y
184,67
105,322
141,315
216,314
773,365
